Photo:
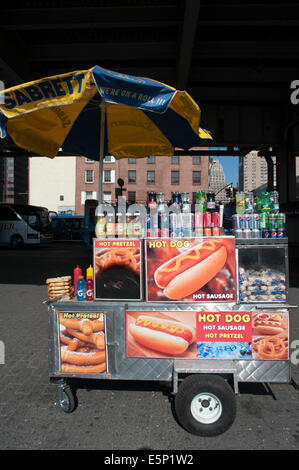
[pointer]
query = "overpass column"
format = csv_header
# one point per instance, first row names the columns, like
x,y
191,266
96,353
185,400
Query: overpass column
x,y
286,167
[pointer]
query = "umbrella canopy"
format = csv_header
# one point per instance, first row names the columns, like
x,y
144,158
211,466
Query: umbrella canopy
x,y
97,112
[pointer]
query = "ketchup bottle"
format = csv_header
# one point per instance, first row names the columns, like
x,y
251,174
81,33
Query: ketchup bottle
x,y
77,273
89,288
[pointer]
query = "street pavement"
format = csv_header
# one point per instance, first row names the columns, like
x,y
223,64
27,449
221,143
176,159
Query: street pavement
x,y
111,416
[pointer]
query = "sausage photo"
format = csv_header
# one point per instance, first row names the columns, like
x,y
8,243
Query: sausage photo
x,y
163,335
267,324
189,271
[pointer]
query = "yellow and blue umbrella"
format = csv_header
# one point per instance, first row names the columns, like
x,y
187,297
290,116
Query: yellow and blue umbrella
x,y
97,112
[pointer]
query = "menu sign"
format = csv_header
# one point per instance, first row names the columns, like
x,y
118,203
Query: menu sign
x,y
190,270
117,269
208,335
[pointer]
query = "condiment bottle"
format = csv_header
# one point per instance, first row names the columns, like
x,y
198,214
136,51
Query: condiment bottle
x,y
89,288
89,272
77,273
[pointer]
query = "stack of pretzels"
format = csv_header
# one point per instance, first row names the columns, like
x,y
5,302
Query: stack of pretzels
x,y
58,286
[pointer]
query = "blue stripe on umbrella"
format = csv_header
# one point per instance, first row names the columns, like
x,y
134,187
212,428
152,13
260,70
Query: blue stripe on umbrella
x,y
175,128
84,136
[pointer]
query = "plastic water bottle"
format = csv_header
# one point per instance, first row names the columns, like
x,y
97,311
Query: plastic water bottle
x,y
274,197
81,289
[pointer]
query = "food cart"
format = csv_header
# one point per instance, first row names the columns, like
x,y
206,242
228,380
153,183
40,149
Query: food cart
x,y
220,334
231,327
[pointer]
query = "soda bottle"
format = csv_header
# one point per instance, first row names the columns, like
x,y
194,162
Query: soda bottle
x,y
120,225
152,199
257,204
89,288
274,198
110,226
129,227
249,203
81,289
100,229
186,217
240,203
77,273
136,225
266,202
201,204
163,224
211,204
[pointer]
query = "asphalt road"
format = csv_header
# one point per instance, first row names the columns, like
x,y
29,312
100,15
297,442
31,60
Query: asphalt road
x,y
110,416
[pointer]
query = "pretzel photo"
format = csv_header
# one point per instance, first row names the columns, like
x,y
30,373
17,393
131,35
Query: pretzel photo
x,y
271,347
82,344
125,257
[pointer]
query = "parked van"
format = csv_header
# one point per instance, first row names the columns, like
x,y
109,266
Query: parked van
x,y
22,224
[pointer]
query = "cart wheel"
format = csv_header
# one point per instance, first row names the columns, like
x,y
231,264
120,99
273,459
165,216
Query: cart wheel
x,y
66,399
205,405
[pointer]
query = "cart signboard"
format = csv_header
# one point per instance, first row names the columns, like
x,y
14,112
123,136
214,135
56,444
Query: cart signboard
x,y
82,344
117,269
208,335
190,270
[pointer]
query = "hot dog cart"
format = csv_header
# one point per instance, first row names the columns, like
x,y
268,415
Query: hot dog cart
x,y
235,327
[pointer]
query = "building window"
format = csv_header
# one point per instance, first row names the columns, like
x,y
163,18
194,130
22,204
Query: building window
x,y
132,160
89,160
132,176
151,159
89,176
61,197
109,159
196,177
131,197
107,196
175,160
88,195
107,176
196,160
175,177
150,176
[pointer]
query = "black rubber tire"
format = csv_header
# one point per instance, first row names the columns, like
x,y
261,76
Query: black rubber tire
x,y
16,242
205,384
67,400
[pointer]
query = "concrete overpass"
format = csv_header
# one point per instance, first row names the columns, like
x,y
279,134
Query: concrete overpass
x,y
237,59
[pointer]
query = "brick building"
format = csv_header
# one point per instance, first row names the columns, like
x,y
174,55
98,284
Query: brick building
x,y
159,174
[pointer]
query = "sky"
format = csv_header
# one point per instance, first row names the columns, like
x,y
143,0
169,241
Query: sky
x,y
230,166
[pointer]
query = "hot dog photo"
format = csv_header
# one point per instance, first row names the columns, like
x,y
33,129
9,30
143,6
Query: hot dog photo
x,y
161,334
190,270
82,343
270,335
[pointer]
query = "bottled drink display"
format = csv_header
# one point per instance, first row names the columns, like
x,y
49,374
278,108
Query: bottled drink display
x,y
176,219
261,217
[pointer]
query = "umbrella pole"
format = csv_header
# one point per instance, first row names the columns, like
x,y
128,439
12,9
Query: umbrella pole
x,y
102,147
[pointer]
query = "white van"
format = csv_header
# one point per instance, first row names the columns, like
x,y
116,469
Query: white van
x,y
21,224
